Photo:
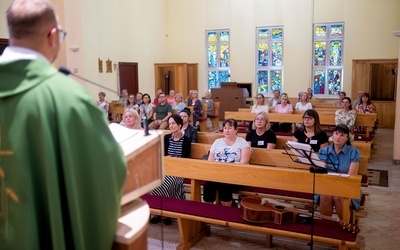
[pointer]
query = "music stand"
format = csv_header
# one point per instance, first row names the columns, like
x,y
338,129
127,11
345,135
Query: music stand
x,y
305,155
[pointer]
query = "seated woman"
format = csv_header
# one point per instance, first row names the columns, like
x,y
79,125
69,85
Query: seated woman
x,y
131,119
340,157
210,103
311,132
196,103
346,116
189,131
171,97
130,103
230,148
365,105
102,103
147,109
178,104
303,104
284,107
261,136
260,105
176,144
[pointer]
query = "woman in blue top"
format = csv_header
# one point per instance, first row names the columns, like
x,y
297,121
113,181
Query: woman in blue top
x,y
340,157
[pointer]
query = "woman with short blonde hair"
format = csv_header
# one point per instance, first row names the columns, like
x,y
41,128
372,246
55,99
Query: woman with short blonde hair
x,y
131,119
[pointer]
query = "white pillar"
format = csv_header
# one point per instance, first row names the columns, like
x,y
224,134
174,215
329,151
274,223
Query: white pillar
x,y
396,141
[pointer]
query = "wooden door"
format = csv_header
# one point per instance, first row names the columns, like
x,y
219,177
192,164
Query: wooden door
x,y
383,81
378,77
128,77
3,45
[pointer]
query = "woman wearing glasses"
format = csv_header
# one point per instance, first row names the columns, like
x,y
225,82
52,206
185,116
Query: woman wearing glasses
x,y
310,131
261,136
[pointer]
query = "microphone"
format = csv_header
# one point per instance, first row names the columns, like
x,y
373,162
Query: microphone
x,y
66,71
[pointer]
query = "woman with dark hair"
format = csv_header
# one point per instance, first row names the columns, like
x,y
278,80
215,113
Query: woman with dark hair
x,y
230,148
346,116
261,136
343,158
365,105
176,144
310,131
189,131
146,109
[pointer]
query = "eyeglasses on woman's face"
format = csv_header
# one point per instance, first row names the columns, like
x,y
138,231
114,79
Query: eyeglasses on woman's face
x,y
307,118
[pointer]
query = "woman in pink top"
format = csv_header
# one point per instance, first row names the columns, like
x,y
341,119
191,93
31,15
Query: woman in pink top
x,y
284,107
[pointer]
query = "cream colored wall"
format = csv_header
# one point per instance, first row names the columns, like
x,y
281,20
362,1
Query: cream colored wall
x,y
368,27
158,31
122,31
3,22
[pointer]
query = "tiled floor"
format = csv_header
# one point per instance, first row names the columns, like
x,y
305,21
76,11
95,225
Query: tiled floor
x,y
379,230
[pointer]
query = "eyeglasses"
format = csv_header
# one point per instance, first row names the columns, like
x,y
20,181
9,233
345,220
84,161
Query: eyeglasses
x,y
61,36
307,118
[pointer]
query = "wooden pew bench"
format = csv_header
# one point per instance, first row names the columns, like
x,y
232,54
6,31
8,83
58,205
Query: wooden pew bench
x,y
362,120
277,158
364,147
192,215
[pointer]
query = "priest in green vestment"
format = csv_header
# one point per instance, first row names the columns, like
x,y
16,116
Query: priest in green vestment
x,y
61,170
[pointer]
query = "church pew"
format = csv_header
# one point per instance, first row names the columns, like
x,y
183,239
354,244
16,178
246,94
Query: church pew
x,y
364,120
364,147
191,223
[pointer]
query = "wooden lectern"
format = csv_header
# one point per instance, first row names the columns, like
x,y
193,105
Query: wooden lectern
x,y
144,156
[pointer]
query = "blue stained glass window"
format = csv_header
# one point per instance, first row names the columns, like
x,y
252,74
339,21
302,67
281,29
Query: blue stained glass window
x,y
277,54
263,54
277,33
263,34
224,36
269,59
336,30
319,81
223,76
320,31
262,81
328,59
212,80
212,56
212,37
276,79
320,53
335,58
224,56
218,57
335,81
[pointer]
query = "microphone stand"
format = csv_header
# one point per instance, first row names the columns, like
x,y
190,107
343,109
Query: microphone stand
x,y
315,169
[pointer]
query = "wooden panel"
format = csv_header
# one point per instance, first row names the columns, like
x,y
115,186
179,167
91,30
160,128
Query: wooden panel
x,y
386,113
182,77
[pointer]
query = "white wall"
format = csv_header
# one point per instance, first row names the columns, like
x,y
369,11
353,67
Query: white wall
x,y
159,31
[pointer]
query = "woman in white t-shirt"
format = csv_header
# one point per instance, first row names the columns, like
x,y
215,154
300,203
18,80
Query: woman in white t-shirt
x,y
230,148
303,104
260,106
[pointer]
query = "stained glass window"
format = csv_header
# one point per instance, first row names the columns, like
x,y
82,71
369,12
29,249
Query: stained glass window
x,y
269,59
328,59
218,57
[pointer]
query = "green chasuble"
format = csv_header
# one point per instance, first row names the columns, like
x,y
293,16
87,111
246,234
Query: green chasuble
x,y
61,170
